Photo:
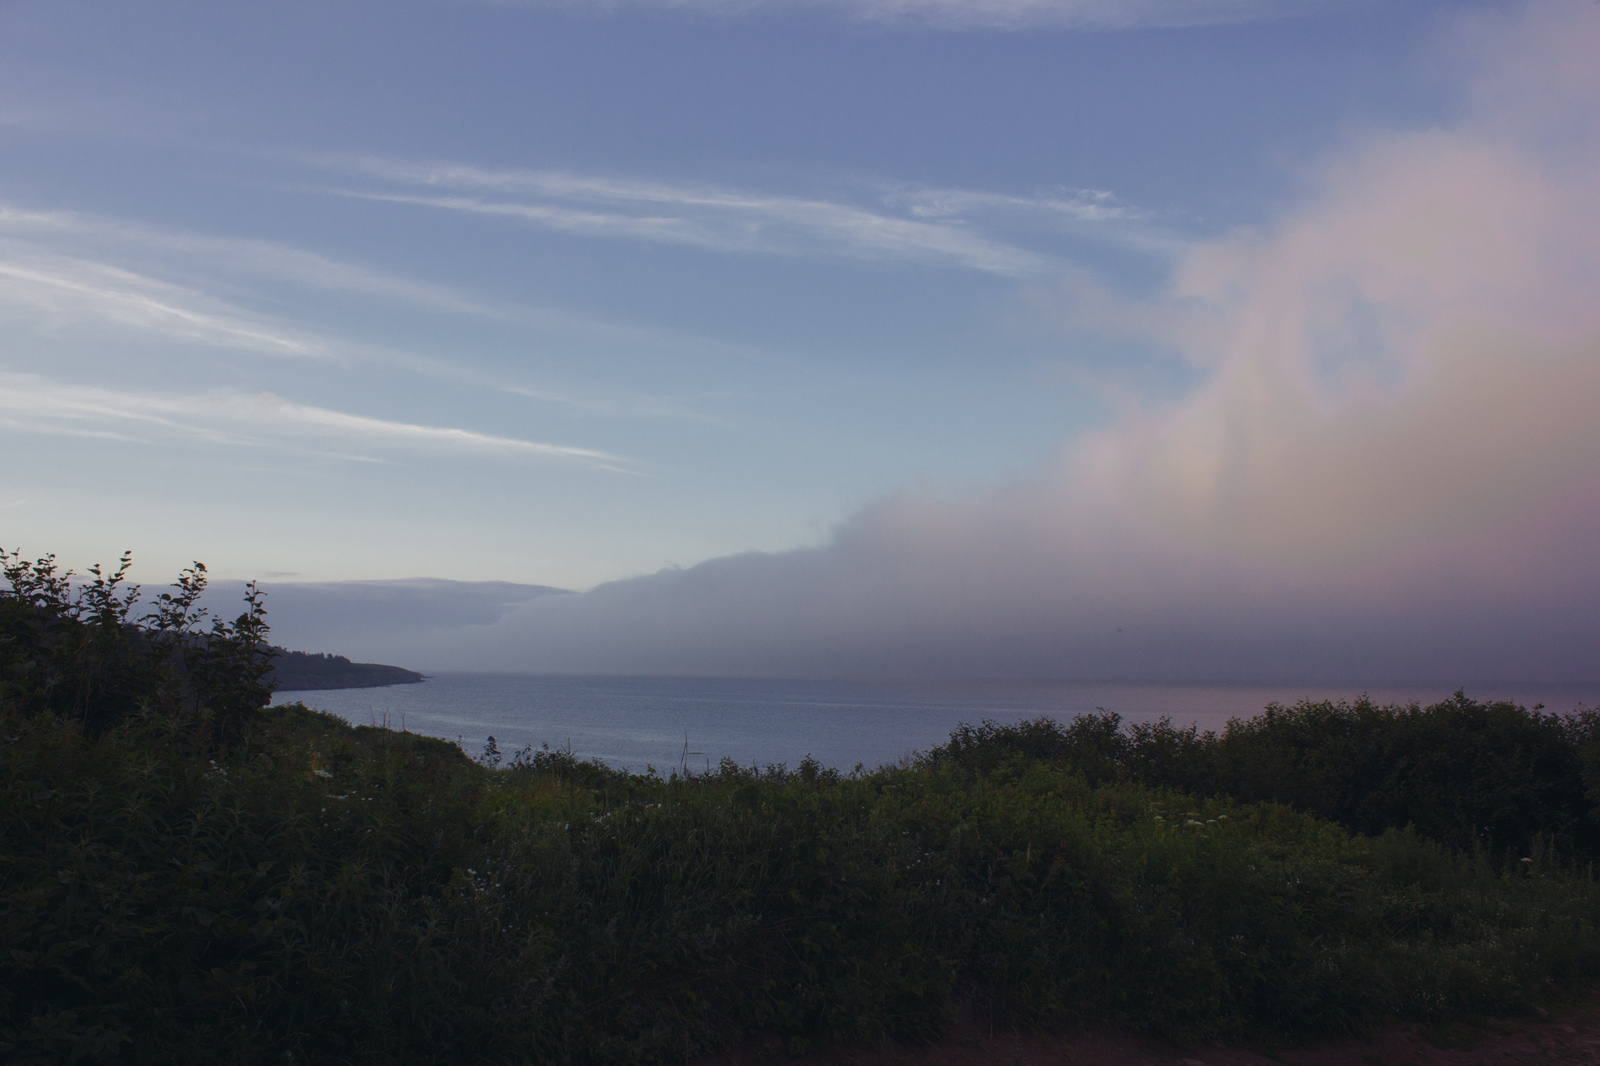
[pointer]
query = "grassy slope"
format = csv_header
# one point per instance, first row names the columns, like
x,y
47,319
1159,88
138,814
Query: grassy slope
x,y
361,895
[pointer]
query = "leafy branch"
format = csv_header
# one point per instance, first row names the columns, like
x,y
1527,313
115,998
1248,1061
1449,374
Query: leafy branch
x,y
74,648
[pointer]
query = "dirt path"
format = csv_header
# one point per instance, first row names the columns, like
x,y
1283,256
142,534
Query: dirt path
x,y
1568,1037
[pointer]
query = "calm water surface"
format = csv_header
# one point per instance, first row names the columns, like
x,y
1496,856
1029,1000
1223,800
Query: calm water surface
x,y
672,722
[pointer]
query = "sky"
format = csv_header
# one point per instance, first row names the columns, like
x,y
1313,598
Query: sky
x,y
1170,340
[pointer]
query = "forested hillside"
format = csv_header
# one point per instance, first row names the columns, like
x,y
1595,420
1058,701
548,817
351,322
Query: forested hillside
x,y
298,671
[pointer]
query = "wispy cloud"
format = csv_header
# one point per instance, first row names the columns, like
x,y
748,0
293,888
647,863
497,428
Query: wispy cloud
x,y
1077,205
188,252
993,232
70,269
989,14
63,291
32,403
1097,214
651,406
593,223
692,214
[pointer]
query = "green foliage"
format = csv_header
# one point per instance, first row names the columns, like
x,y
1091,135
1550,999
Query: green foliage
x,y
74,650
362,895
1466,774
309,891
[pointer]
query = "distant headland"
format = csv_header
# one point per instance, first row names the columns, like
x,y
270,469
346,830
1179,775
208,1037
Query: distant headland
x,y
299,671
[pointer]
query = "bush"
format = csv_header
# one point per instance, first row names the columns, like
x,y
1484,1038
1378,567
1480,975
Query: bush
x,y
1469,775
360,895
308,891
74,650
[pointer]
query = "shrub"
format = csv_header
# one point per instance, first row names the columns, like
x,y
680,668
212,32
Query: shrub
x,y
309,891
74,650
1466,774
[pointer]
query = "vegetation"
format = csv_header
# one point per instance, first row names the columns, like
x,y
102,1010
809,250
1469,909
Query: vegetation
x,y
1468,775
74,651
298,671
289,888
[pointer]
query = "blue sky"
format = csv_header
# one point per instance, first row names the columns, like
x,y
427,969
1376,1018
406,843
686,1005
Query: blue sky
x,y
564,293
859,312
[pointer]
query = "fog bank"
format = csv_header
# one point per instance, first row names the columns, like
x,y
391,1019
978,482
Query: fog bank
x,y
1390,469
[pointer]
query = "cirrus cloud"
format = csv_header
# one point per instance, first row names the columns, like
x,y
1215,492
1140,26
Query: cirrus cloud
x,y
31,403
992,14
951,227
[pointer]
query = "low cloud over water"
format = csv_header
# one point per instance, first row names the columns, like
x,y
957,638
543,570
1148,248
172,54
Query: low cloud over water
x,y
1390,467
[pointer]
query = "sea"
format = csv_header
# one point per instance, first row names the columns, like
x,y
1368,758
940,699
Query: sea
x,y
692,724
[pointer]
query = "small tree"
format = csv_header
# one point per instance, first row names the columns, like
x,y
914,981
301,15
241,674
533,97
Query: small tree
x,y
69,648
